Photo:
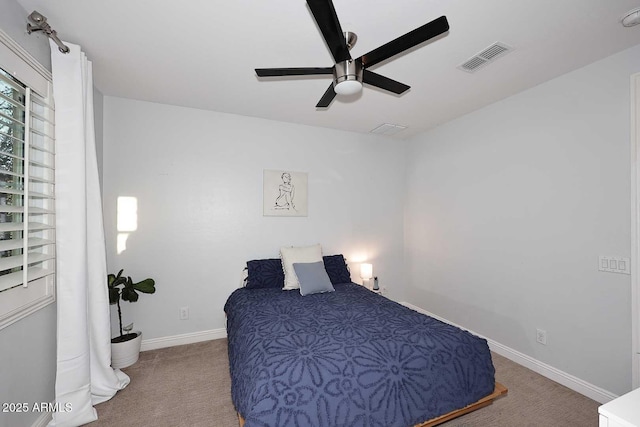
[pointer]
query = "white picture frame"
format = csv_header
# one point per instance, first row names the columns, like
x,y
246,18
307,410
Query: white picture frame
x,y
285,193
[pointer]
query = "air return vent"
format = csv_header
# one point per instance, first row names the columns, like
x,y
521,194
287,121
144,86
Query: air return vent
x,y
388,129
483,58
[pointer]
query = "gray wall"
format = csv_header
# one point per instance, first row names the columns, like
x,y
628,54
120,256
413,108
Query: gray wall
x,y
508,209
27,347
27,364
197,176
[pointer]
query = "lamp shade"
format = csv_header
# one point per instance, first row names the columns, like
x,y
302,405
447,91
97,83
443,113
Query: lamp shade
x,y
366,271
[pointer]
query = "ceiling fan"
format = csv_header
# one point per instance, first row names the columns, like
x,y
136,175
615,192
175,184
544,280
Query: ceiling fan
x,y
349,74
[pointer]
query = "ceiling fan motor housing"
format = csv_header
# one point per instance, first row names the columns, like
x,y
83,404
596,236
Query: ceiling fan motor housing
x,y
349,70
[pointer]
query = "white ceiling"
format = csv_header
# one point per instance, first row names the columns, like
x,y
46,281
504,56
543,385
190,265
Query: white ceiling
x,y
202,53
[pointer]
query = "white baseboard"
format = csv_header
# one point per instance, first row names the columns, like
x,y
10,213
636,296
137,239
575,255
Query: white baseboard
x,y
574,383
190,338
43,420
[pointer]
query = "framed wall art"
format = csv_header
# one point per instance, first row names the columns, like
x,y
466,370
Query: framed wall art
x,y
285,193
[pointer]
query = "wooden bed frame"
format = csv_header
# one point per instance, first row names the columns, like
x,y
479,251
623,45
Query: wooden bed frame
x,y
498,391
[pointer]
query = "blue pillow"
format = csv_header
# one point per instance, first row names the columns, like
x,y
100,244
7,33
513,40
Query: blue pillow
x,y
337,269
265,273
313,278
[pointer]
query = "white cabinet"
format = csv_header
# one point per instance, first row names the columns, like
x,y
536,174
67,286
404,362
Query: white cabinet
x,y
621,412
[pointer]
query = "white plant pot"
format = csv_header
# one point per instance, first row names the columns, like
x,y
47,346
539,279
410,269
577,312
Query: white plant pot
x,y
126,353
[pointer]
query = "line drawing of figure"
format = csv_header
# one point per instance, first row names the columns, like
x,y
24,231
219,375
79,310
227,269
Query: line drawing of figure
x,y
286,194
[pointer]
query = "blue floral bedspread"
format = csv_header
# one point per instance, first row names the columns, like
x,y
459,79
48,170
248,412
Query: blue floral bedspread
x,y
347,358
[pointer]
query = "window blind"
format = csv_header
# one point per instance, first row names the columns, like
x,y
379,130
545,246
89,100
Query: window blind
x,y
27,187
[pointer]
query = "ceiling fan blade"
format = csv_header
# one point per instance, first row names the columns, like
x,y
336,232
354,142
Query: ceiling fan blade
x,y
307,71
383,82
327,97
407,41
325,15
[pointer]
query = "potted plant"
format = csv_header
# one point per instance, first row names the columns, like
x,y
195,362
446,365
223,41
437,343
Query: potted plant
x,y
125,349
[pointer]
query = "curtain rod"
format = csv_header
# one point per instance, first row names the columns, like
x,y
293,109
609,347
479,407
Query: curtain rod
x,y
40,24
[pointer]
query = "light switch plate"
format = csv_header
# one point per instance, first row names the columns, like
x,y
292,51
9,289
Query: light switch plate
x,y
614,264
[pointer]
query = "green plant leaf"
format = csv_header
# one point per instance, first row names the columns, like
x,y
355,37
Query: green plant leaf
x,y
122,288
114,295
129,294
146,286
114,281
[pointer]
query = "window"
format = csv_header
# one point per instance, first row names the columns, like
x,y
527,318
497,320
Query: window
x,y
27,216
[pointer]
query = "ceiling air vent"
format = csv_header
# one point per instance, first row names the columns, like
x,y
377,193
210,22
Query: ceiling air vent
x,y
388,129
487,55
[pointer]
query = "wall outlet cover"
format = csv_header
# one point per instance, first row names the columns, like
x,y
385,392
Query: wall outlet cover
x,y
541,336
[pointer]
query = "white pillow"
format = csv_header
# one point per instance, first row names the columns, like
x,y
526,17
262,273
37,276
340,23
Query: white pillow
x,y
292,255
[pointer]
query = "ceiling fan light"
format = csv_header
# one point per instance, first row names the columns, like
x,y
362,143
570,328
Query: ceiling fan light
x,y
348,87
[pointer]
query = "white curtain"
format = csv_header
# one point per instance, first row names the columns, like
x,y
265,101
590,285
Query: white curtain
x,y
84,376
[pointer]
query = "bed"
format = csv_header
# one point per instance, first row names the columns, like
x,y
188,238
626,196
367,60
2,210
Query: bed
x,y
349,357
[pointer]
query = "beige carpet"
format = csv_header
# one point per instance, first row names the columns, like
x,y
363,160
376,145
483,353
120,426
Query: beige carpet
x,y
189,386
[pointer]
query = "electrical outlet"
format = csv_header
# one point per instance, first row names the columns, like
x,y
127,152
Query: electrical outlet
x,y
184,313
541,336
